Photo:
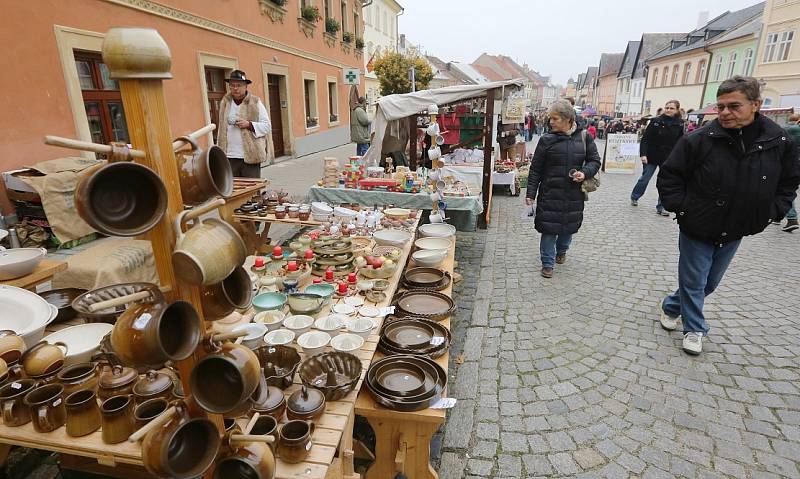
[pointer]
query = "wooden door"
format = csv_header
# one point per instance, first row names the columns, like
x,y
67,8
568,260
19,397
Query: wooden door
x,y
275,114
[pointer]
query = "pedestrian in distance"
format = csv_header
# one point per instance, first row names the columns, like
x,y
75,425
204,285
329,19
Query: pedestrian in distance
x,y
794,131
658,140
601,128
562,160
359,127
244,127
726,180
592,130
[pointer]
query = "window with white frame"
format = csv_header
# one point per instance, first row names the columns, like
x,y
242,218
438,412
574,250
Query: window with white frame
x,y
333,101
664,76
701,72
310,102
732,57
620,84
687,73
654,78
718,68
784,45
769,47
627,85
675,75
747,66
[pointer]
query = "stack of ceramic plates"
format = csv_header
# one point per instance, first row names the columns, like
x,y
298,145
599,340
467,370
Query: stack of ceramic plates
x,y
321,211
431,279
425,304
406,383
415,336
344,213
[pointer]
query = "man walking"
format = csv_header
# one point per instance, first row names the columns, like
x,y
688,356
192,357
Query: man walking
x,y
243,127
657,142
359,127
727,180
794,131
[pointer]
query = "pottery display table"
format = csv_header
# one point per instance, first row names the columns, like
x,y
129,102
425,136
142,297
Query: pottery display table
x,y
463,210
473,174
44,272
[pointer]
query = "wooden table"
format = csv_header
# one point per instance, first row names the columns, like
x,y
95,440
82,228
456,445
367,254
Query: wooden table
x,y
403,438
44,272
243,191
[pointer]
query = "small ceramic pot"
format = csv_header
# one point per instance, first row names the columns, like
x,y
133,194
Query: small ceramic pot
x,y
11,346
116,381
44,358
78,377
149,410
118,421
47,407
305,404
83,413
204,174
233,292
207,253
225,378
294,212
12,395
303,215
153,385
271,403
294,441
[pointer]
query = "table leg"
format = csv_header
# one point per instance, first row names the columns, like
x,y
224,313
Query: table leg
x,y
411,440
4,450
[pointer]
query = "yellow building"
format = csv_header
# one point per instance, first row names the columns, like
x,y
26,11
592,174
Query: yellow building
x,y
778,63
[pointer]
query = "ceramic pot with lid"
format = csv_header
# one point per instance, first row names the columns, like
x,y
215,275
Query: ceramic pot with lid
x,y
153,385
11,346
225,378
204,174
78,377
44,358
116,380
271,403
305,404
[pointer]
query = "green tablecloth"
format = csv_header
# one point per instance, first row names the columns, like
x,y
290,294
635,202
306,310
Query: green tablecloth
x,y
462,211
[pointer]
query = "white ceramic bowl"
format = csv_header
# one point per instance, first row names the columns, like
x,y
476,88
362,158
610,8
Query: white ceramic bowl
x,y
330,324
397,213
361,326
18,262
255,334
298,323
271,319
344,212
344,309
437,230
82,341
392,237
279,337
347,342
25,312
314,342
433,243
318,207
429,258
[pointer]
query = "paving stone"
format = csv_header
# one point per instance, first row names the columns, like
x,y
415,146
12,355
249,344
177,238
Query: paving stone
x,y
513,442
459,425
537,465
510,466
588,458
480,467
563,463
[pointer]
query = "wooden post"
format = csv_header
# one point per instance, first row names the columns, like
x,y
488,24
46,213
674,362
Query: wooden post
x,y
488,137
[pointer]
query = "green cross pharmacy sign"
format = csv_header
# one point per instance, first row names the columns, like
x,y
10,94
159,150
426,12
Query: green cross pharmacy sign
x,y
352,76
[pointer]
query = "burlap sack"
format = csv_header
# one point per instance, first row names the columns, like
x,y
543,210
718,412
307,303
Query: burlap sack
x,y
57,190
109,261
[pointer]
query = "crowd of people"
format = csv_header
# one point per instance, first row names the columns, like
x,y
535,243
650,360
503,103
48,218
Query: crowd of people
x,y
724,180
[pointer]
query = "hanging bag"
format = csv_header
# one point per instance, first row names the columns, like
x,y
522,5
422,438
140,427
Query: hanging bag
x,y
588,185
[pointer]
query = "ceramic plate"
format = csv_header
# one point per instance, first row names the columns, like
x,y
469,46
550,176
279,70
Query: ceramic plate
x,y
345,309
369,311
425,304
355,301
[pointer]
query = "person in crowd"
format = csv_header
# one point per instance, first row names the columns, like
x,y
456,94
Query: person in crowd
x,y
359,127
691,126
245,126
526,127
562,160
794,131
592,130
725,181
657,142
601,128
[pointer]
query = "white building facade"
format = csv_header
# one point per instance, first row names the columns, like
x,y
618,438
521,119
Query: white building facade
x,y
380,35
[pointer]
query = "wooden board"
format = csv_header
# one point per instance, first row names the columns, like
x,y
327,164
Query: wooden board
x,y
43,272
272,219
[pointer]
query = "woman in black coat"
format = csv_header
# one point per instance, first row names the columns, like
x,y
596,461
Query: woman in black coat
x,y
562,161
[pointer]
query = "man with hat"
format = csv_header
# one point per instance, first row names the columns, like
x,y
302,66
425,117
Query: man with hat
x,y
243,127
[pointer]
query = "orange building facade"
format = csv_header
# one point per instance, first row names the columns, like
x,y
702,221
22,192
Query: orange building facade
x,y
57,84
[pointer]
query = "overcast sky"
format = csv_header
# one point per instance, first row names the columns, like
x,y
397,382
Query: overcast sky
x,y
555,37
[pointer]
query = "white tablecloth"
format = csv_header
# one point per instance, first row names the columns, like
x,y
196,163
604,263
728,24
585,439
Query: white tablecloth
x,y
474,175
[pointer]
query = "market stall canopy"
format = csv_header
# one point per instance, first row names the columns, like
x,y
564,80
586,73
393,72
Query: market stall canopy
x,y
403,105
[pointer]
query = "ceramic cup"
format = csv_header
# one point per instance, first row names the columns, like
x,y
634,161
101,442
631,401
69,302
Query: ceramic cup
x,y
233,292
12,394
44,358
225,378
204,174
207,253
149,410
83,413
78,377
294,441
117,418
11,346
47,407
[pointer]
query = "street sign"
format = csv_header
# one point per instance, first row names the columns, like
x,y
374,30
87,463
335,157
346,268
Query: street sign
x,y
352,76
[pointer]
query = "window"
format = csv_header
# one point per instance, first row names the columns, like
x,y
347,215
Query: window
x,y
101,99
333,101
747,66
384,23
717,68
654,78
328,11
674,75
621,85
215,90
769,47
778,45
627,85
701,72
784,45
344,17
687,72
664,75
310,97
732,63
356,33
367,16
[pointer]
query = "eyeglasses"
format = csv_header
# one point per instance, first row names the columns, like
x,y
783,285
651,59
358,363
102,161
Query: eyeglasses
x,y
720,107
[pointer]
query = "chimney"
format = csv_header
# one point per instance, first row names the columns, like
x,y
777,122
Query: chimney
x,y
702,18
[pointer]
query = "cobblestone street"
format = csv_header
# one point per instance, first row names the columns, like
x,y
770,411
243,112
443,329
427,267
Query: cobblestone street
x,y
573,376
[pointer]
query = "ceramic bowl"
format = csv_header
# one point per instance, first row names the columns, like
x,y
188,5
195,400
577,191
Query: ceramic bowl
x,y
82,341
271,319
362,327
437,230
344,309
429,258
314,342
255,334
433,243
18,262
380,285
364,285
325,290
355,301
305,303
369,311
330,324
269,301
397,213
344,212
391,237
298,323
321,208
347,342
279,337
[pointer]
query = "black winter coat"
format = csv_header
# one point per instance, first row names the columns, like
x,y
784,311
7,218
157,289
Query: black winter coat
x,y
721,192
559,209
659,139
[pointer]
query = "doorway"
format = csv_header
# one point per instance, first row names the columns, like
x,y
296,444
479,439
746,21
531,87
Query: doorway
x,y
275,114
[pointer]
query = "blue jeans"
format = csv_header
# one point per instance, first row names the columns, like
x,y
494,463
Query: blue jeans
x,y
792,214
641,185
361,149
700,269
550,245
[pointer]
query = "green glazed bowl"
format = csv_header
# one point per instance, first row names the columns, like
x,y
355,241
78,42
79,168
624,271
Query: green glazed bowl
x,y
269,301
323,289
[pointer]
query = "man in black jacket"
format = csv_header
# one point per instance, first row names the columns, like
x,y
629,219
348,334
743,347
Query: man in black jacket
x,y
726,180
657,142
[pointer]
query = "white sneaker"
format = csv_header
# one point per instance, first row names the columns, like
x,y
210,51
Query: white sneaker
x,y
668,322
693,343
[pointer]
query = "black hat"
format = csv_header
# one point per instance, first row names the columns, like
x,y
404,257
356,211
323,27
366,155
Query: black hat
x,y
238,75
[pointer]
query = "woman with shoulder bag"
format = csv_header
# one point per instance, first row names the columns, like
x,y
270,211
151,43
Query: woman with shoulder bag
x,y
563,160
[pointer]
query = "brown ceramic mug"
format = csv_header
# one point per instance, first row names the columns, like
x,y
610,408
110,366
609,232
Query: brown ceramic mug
x,y
11,346
294,440
246,461
149,410
204,174
83,413
264,426
233,292
12,395
47,407
208,252
78,377
44,358
225,378
117,418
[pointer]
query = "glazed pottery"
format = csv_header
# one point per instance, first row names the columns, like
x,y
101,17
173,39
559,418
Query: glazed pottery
x,y
117,418
62,300
294,441
233,292
83,341
435,243
121,199
279,337
335,374
265,426
47,407
255,334
78,377
253,460
391,237
279,363
325,290
298,324
43,358
347,342
82,303
306,403
429,258
115,381
270,402
271,319
269,301
25,314
305,303
153,385
330,324
203,174
18,262
83,413
11,346
208,252
149,410
12,395
225,378
437,230
313,342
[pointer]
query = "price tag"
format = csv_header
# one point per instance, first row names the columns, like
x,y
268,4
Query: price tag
x,y
16,385
444,403
387,311
437,340
56,402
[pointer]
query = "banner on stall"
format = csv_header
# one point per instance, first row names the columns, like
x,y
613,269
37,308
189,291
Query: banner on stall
x,y
622,153
513,110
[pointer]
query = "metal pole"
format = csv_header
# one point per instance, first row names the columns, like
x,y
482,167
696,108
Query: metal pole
x,y
413,79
